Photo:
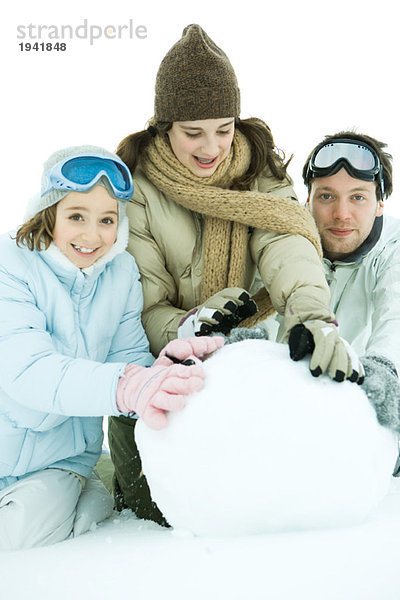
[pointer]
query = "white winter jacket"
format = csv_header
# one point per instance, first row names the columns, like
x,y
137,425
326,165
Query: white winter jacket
x,y
365,295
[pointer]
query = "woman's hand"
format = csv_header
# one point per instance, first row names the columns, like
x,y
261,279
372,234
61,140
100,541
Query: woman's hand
x,y
328,351
220,313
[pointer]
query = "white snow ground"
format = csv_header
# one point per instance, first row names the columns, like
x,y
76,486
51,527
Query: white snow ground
x,y
128,558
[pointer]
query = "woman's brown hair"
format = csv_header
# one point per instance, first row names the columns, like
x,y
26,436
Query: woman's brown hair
x,y
37,233
263,151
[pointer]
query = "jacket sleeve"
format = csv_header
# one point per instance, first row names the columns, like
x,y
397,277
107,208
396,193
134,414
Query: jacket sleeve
x,y
34,374
130,343
160,316
290,267
384,338
293,275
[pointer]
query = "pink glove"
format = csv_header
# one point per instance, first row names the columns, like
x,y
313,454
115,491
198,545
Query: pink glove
x,y
189,348
151,392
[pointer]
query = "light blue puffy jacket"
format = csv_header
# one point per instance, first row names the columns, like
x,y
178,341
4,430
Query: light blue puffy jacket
x,y
65,337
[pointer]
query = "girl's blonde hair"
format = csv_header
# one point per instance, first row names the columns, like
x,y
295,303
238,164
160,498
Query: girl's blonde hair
x,y
37,233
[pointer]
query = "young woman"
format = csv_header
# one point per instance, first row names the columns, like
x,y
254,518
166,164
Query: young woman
x,y
216,230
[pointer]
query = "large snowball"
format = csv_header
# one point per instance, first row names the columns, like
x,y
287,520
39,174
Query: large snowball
x,y
266,447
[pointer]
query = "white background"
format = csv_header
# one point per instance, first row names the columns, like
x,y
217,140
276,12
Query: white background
x,y
308,68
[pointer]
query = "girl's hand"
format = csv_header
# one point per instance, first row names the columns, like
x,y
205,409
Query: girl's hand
x,y
151,392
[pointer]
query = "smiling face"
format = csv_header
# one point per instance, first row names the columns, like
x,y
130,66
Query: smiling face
x,y
202,145
86,225
344,209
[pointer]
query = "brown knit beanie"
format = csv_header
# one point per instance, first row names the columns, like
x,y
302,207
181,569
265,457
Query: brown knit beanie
x,y
196,81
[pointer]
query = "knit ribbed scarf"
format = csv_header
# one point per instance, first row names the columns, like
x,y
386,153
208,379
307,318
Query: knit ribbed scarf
x,y
229,214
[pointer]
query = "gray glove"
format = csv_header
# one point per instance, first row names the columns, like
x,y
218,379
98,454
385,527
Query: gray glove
x,y
382,386
239,334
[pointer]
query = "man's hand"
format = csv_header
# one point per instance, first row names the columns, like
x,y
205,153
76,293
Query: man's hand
x,y
382,387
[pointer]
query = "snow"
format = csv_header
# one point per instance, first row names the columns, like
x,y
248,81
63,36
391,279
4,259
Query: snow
x,y
265,447
126,557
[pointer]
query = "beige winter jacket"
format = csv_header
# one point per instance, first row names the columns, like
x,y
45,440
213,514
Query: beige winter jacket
x,y
166,241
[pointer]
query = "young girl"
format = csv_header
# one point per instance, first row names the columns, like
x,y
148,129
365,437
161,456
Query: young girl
x,y
216,229
72,348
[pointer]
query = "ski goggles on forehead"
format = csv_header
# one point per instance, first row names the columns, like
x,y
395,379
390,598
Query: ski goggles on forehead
x,y
81,172
359,159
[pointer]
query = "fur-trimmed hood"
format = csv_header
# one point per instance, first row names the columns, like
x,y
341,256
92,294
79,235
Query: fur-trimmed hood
x,y
54,255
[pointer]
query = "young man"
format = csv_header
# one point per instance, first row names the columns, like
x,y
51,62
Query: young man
x,y
348,178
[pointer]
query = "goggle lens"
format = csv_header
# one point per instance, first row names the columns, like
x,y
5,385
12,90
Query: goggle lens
x,y
360,157
84,170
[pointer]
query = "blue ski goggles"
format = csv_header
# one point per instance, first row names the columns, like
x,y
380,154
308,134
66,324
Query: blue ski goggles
x,y
81,172
358,158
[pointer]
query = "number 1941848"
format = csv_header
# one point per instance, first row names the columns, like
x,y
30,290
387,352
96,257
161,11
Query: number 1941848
x,y
42,46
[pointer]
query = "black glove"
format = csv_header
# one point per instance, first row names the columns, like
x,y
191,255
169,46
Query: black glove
x,y
239,312
382,386
219,314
